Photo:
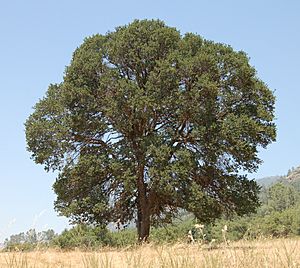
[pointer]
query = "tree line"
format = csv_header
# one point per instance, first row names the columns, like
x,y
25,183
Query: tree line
x,y
278,216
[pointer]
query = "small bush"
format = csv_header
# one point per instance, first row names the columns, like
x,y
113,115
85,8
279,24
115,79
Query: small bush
x,y
123,238
83,236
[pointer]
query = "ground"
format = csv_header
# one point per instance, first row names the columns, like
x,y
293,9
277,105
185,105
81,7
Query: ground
x,y
259,253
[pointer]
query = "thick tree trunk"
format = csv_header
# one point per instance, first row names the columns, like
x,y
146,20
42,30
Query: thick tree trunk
x,y
143,226
143,212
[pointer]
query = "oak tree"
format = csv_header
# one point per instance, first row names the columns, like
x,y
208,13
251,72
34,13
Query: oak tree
x,y
148,122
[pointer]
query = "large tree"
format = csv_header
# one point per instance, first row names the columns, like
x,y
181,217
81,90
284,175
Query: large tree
x,y
147,122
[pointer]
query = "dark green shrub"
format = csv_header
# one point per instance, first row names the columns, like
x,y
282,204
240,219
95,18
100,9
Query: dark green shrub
x,y
123,238
83,236
172,233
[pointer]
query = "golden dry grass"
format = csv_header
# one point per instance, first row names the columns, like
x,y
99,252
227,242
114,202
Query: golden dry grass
x,y
263,253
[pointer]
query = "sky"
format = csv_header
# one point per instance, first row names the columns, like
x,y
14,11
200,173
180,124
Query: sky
x,y
37,39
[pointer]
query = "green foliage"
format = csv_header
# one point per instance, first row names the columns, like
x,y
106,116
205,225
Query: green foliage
x,y
172,233
278,197
148,121
91,237
274,223
282,196
20,246
83,236
237,229
29,240
279,216
123,238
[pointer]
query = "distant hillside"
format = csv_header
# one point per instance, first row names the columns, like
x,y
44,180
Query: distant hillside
x,y
268,181
293,178
294,174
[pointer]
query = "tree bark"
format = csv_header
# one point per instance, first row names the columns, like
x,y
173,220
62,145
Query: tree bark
x,y
143,211
143,226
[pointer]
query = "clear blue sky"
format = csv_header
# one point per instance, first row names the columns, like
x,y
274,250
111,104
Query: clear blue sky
x,y
37,41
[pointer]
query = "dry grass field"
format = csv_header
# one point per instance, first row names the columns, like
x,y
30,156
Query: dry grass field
x,y
261,253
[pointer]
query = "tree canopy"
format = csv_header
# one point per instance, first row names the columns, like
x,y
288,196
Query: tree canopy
x,y
148,121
